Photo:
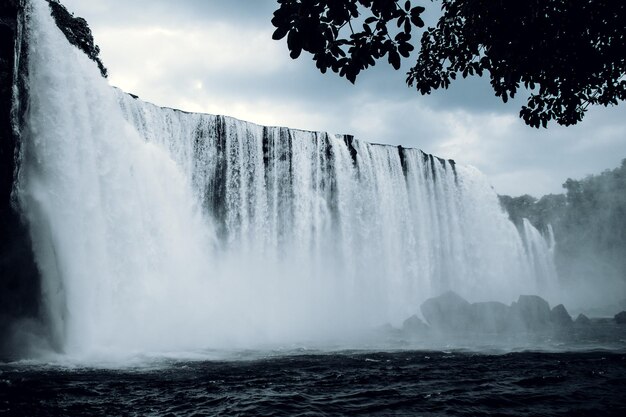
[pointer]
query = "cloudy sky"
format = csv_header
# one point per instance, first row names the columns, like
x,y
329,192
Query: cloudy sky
x,y
217,56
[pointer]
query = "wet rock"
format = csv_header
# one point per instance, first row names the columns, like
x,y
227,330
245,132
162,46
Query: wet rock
x,y
620,318
560,317
77,32
448,312
387,330
489,317
529,313
414,325
582,320
20,286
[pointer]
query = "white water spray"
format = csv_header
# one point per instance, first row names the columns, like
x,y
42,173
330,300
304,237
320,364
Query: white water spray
x,y
157,229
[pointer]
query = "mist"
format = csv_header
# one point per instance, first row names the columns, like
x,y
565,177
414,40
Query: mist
x,y
160,231
589,227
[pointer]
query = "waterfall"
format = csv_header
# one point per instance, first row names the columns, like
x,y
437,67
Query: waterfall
x,y
540,251
157,229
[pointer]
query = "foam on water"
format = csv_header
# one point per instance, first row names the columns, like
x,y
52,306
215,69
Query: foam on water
x,y
157,229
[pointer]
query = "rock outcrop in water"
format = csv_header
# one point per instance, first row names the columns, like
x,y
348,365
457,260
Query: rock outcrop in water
x,y
415,326
489,317
450,313
560,316
528,322
529,313
582,320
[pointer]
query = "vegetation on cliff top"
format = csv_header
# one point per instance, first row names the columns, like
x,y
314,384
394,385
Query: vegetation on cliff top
x,y
77,32
589,222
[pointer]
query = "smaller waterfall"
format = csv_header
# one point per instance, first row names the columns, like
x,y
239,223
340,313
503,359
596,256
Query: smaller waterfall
x,y
540,251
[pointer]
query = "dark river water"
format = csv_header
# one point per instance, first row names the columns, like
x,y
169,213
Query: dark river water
x,y
402,383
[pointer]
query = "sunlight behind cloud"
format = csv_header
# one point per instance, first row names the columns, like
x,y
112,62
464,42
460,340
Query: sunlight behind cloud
x,y
154,56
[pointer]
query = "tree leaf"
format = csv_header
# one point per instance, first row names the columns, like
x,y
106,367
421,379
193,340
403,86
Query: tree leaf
x,y
280,33
417,21
394,59
405,49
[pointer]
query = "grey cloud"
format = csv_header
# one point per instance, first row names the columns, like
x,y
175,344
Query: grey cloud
x,y
556,153
178,12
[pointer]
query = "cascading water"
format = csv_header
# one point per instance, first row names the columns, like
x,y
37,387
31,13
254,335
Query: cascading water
x,y
157,229
541,255
117,234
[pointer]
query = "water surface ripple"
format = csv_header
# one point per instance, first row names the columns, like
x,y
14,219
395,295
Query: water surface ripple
x,y
421,383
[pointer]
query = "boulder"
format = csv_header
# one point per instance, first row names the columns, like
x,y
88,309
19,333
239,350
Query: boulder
x,y
529,313
448,312
582,320
414,325
387,330
489,317
620,318
560,317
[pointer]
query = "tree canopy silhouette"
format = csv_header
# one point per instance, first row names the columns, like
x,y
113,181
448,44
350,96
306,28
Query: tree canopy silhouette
x,y
568,54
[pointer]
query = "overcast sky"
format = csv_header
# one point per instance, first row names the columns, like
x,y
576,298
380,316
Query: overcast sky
x,y
217,56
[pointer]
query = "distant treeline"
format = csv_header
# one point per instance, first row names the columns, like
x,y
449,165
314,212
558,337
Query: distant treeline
x,y
589,223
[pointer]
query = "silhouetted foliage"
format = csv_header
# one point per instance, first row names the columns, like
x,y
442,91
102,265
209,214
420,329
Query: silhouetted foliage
x,y
569,54
77,32
541,212
315,26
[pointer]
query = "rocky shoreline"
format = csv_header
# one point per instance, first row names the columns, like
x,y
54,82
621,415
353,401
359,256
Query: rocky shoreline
x,y
449,317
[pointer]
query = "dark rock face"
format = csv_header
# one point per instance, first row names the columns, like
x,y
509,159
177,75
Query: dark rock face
x,y
489,317
560,317
530,313
19,278
414,326
448,312
582,320
77,32
529,319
